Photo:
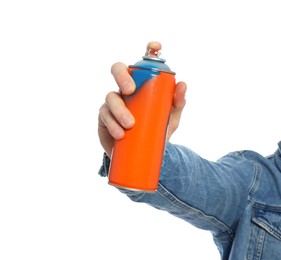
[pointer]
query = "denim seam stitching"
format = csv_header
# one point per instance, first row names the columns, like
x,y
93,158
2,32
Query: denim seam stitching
x,y
211,219
254,184
270,230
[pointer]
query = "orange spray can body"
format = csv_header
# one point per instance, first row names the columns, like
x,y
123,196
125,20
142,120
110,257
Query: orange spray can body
x,y
137,158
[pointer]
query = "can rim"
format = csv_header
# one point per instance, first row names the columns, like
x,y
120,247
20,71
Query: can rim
x,y
152,69
132,189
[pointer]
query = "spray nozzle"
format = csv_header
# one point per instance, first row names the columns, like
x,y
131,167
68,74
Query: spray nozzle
x,y
152,52
151,60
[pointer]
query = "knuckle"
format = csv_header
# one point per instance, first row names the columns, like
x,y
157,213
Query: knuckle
x,y
102,109
109,96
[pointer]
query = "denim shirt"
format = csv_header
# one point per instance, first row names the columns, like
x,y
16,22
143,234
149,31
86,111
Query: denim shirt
x,y
237,198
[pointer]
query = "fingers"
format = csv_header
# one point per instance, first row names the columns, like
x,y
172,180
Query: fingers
x,y
123,78
177,108
117,107
109,124
121,75
115,115
179,96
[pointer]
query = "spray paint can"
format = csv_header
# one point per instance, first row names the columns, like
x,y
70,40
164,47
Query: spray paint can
x,y
137,158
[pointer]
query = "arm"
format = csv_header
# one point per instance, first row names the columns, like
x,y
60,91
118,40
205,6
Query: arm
x,y
209,195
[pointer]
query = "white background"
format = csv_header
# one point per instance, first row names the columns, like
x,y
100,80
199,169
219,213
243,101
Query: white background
x,y
55,59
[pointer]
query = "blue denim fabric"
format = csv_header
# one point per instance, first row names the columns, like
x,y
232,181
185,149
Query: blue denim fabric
x,y
237,198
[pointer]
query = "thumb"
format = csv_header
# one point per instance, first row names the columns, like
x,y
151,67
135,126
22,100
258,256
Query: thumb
x,y
177,108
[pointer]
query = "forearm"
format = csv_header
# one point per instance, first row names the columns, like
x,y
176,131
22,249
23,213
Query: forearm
x,y
209,195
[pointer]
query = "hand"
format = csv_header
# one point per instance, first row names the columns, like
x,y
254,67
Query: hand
x,y
114,117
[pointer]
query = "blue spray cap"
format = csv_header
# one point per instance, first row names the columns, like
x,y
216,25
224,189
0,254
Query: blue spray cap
x,y
152,61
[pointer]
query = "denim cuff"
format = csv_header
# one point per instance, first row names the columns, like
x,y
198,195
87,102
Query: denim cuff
x,y
104,169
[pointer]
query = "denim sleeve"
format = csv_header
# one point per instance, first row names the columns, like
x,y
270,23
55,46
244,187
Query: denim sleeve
x,y
209,195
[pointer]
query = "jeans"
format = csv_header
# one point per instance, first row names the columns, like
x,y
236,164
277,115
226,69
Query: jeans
x,y
237,198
